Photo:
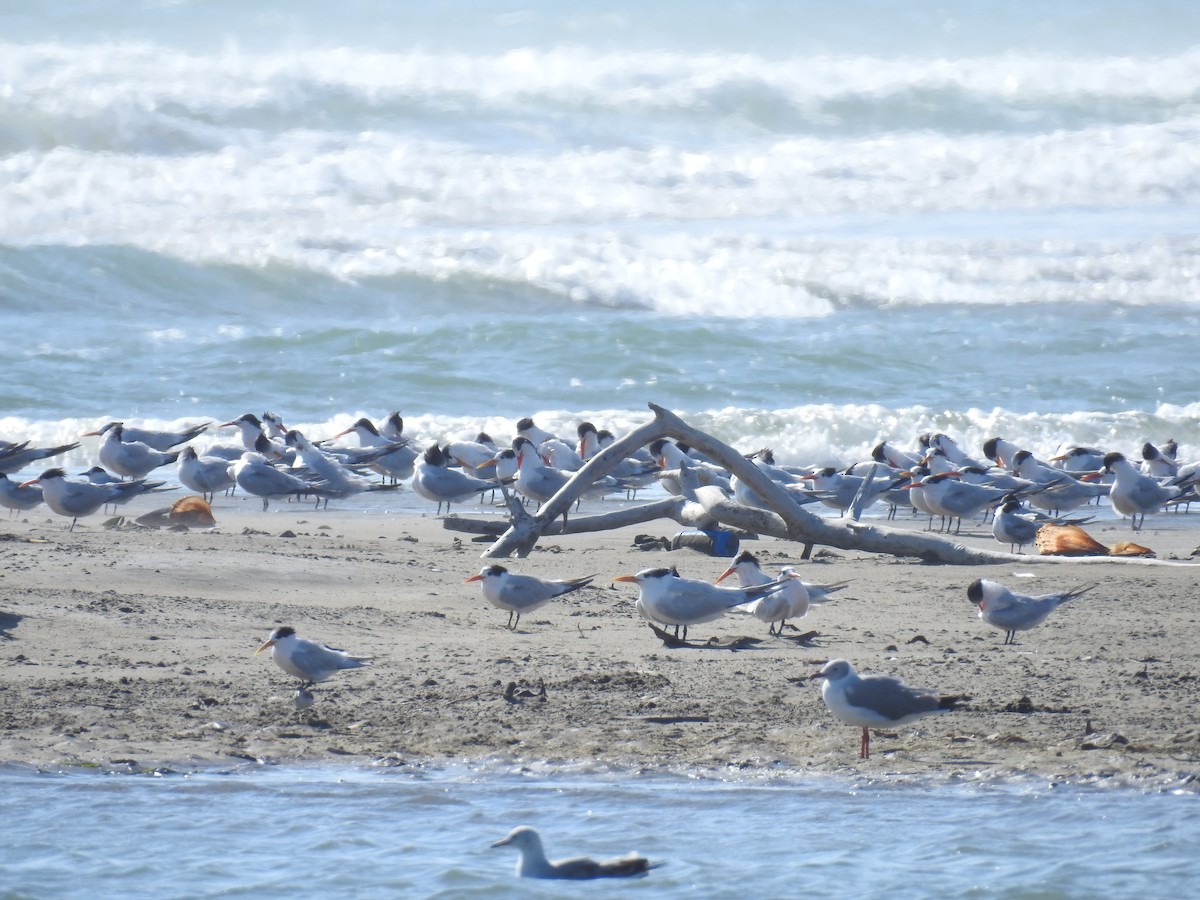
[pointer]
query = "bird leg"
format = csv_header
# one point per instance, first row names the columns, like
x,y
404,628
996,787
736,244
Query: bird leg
x,y
864,748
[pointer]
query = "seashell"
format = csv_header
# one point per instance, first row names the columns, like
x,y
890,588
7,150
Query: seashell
x,y
1067,540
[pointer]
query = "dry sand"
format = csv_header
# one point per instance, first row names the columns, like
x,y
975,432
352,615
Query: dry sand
x,y
132,648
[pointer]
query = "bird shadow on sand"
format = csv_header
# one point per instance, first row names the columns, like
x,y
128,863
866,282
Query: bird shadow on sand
x,y
715,643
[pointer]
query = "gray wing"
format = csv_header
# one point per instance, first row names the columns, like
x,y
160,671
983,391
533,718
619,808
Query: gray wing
x,y
890,697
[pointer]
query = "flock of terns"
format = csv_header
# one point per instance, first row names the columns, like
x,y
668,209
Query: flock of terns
x,y
937,478
1008,484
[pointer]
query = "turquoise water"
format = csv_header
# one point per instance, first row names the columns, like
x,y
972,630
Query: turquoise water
x,y
426,833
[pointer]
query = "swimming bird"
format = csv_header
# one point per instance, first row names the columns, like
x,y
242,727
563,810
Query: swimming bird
x,y
1132,493
1001,608
434,480
81,498
307,660
522,593
872,701
534,864
668,599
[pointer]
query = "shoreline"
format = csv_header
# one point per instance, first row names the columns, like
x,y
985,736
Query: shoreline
x,y
132,649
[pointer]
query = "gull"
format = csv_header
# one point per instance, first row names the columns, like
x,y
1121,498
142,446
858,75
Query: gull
x,y
18,497
533,862
129,459
207,475
15,457
433,480
307,660
666,598
81,498
1001,608
1132,493
871,701
522,593
157,439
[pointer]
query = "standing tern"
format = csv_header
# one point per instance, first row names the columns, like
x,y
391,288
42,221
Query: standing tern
x,y
1001,608
790,600
397,463
82,498
129,459
666,598
155,438
534,864
207,475
18,497
433,480
255,475
307,660
1132,493
522,593
872,701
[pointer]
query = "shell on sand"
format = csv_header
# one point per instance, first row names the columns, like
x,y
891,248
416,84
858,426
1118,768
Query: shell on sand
x,y
1071,540
193,511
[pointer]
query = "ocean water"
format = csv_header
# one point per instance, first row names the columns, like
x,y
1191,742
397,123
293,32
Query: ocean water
x,y
801,225
372,833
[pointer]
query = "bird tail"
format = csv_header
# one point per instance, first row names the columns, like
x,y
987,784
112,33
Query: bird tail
x,y
953,701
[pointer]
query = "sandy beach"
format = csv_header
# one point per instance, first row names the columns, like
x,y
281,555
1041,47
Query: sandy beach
x,y
132,648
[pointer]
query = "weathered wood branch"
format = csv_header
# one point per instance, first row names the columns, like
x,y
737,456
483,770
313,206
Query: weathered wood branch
x,y
785,519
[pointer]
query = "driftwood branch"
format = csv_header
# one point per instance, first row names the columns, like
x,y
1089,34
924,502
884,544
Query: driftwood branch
x,y
785,519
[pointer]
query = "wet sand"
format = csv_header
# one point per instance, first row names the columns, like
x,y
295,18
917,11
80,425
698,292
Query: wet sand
x,y
132,648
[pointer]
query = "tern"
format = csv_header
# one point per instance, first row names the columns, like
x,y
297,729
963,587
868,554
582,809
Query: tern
x,y
1001,608
397,463
129,459
15,457
872,701
82,498
433,480
157,439
522,593
255,475
796,593
533,434
307,660
668,599
337,480
207,475
1132,493
534,864
18,497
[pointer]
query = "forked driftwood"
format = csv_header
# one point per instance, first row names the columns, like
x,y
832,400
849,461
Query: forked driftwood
x,y
785,519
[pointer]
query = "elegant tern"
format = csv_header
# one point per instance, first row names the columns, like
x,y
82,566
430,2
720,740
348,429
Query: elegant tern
x,y
872,701
18,497
155,438
433,480
522,593
207,475
255,475
307,660
15,457
1132,493
129,459
666,598
1010,612
534,864
399,460
82,498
